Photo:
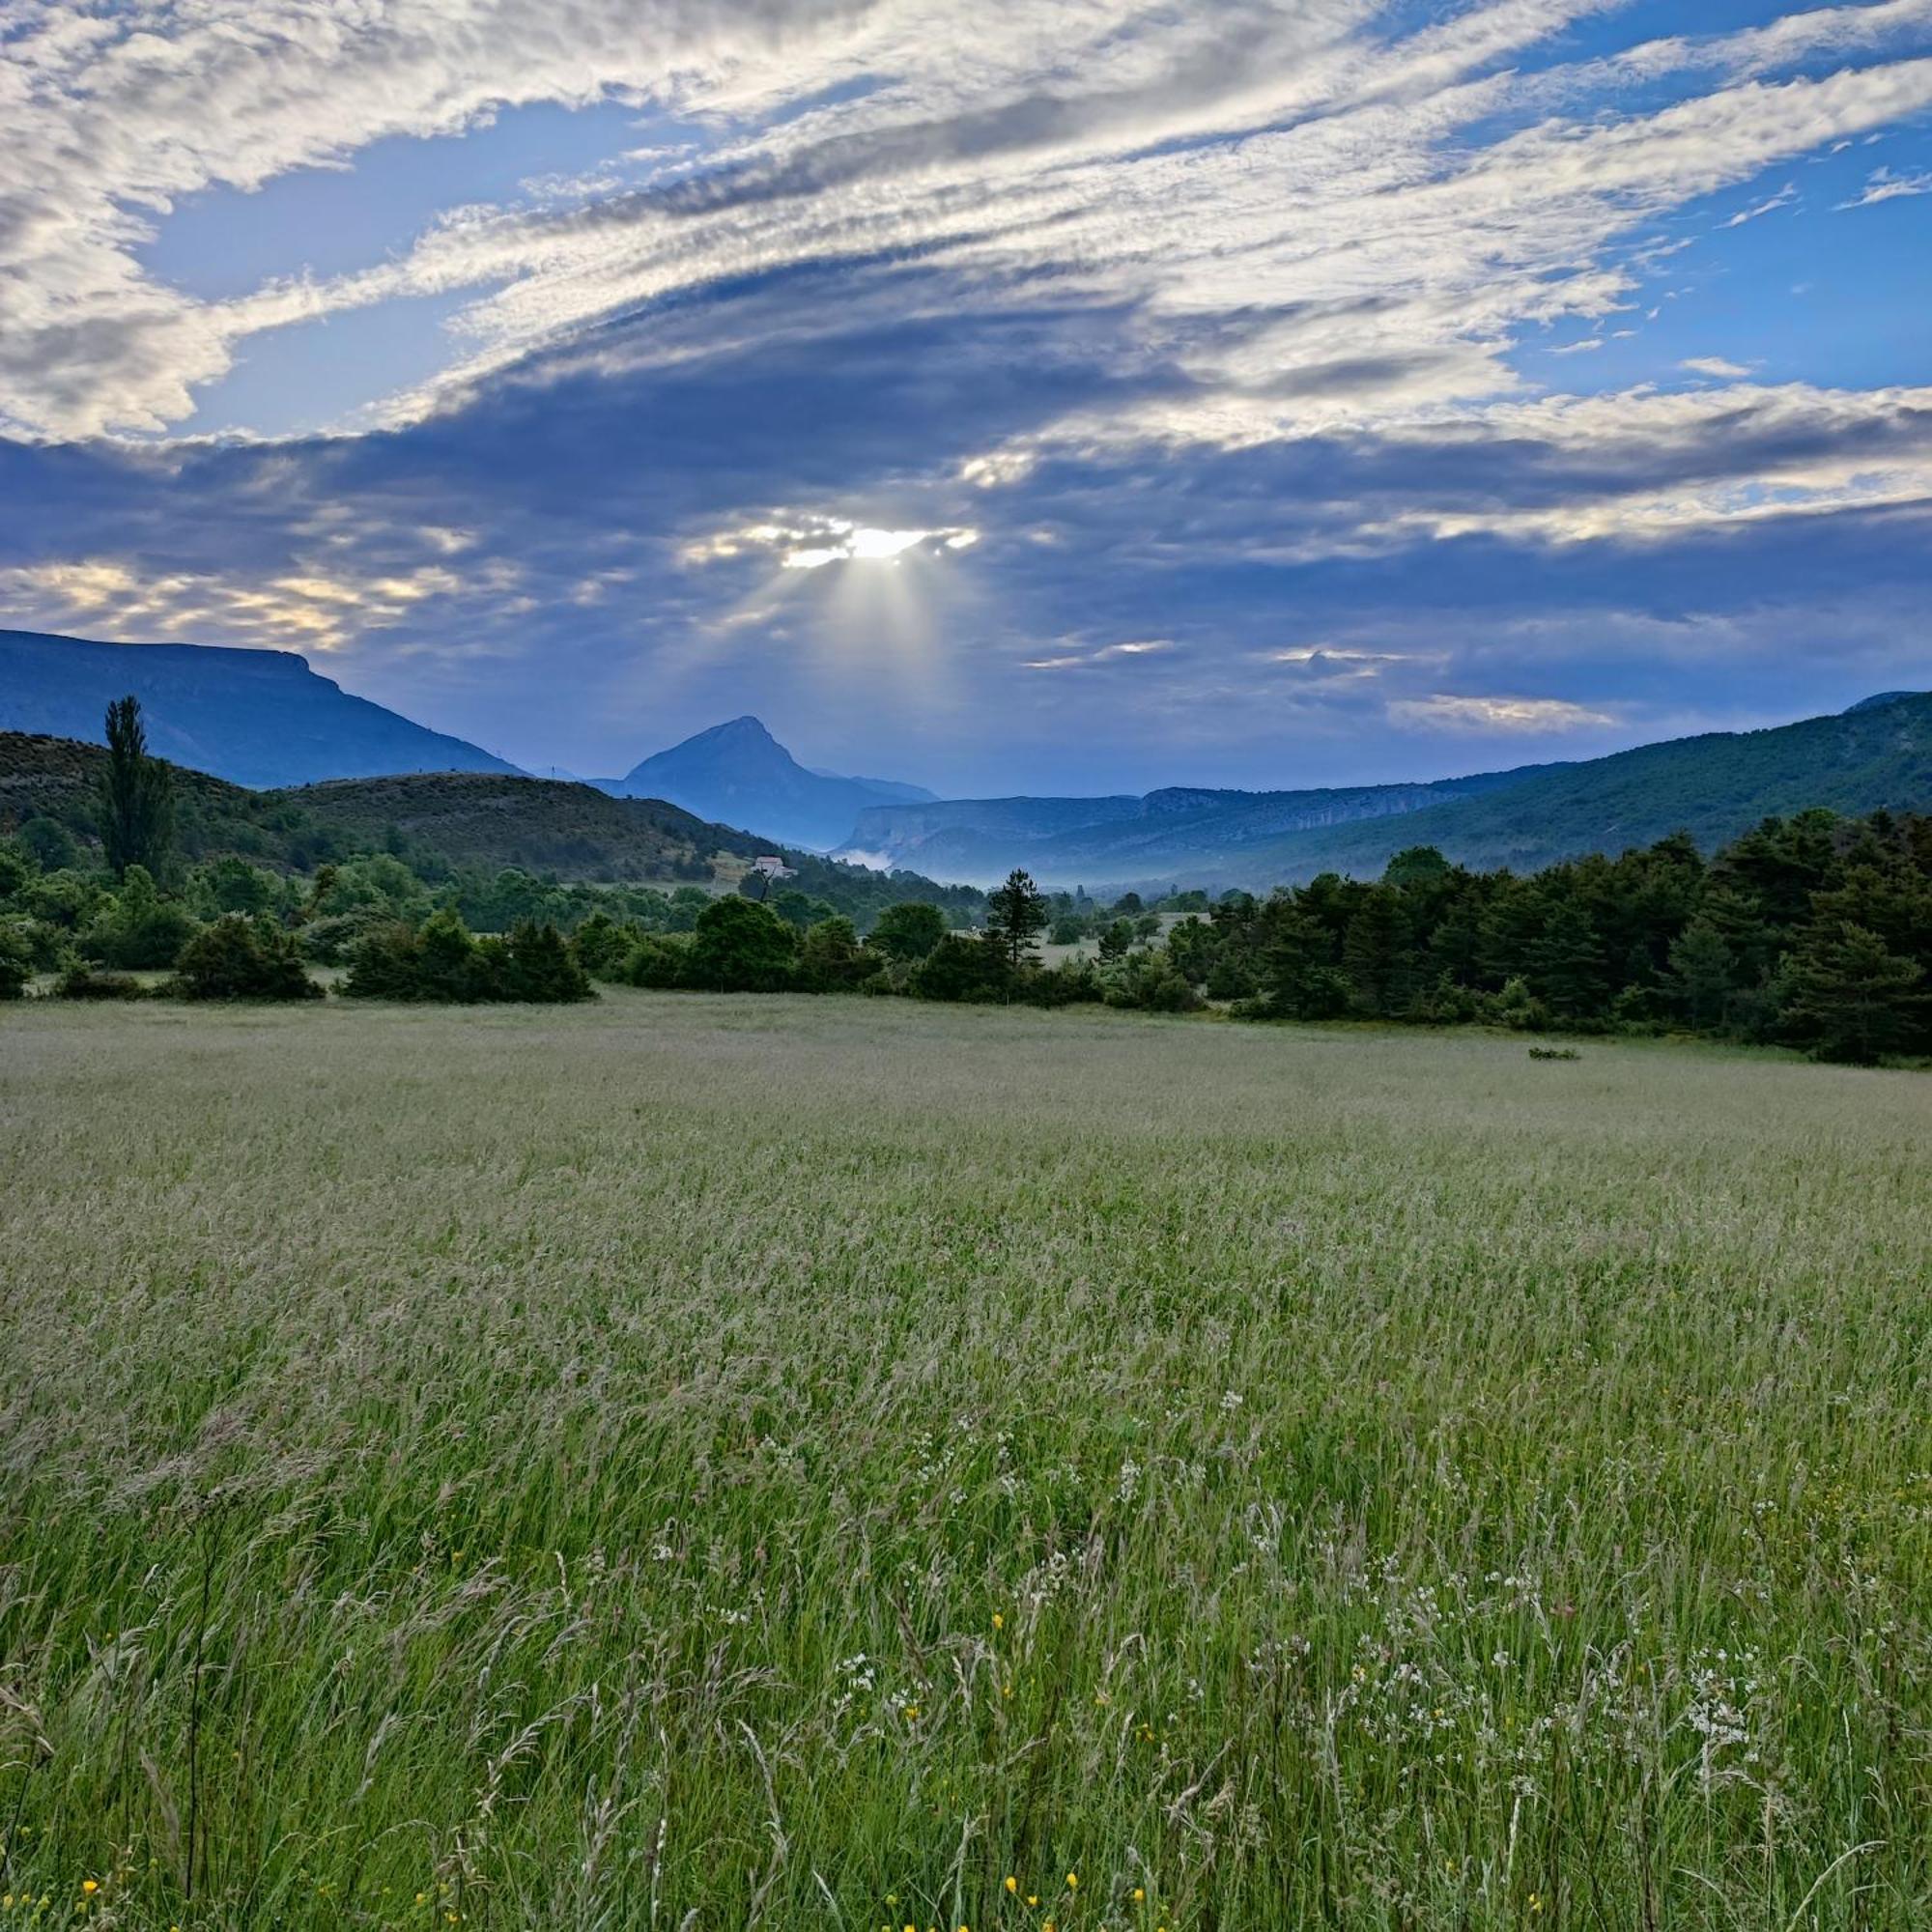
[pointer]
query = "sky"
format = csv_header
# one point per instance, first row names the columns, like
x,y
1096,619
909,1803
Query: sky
x,y
1005,395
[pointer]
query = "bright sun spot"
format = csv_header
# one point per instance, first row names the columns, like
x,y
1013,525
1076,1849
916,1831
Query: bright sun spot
x,y
860,544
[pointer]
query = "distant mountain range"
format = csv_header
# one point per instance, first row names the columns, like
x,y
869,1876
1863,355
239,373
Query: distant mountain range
x,y
740,775
1878,754
255,718
263,719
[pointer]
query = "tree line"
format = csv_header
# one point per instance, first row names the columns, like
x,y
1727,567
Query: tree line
x,y
1813,932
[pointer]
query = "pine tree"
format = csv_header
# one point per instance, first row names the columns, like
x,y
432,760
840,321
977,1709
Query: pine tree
x,y
137,806
1702,973
1854,1000
1016,914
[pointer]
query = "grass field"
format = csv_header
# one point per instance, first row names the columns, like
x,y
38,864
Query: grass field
x,y
692,1463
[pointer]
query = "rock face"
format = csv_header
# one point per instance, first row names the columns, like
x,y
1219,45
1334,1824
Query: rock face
x,y
740,775
261,719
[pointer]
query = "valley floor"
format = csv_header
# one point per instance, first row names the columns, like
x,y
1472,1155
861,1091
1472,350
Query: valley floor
x,y
709,1463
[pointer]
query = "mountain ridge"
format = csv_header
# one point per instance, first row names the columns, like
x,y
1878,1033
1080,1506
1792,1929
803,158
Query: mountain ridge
x,y
1876,753
257,718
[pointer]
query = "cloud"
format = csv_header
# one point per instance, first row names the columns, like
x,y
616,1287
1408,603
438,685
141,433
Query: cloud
x,y
1884,185
1119,324
1224,172
1082,659
1784,198
1497,714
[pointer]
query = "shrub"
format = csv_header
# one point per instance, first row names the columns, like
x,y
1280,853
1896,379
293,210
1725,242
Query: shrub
x,y
660,959
603,947
908,930
243,958
963,968
741,947
1516,1007
139,929
81,981
539,966
832,960
329,941
443,961
17,963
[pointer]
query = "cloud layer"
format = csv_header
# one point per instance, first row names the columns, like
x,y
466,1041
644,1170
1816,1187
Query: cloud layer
x,y
904,359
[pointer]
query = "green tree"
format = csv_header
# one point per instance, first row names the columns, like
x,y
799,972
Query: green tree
x,y
138,806
48,843
138,928
742,946
1375,959
962,968
17,963
539,965
1297,972
833,958
240,957
1851,998
1566,962
908,930
1703,971
1116,939
1016,915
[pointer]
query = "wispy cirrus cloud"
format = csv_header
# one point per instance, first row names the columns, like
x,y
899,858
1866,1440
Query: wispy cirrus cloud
x,y
1884,185
1119,324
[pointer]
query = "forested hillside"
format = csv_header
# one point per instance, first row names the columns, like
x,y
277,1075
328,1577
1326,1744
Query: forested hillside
x,y
441,825
1876,757
1873,758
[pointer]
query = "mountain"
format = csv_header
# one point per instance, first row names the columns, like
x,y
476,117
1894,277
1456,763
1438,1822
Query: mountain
x,y
1878,754
1184,833
740,774
256,717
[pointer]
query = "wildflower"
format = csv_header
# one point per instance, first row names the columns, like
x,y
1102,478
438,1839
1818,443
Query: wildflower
x,y
999,1621
1139,1895
1073,1880
90,1884
1536,1901
1013,1884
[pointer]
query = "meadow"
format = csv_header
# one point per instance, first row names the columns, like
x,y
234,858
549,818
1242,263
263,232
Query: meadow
x,y
705,1462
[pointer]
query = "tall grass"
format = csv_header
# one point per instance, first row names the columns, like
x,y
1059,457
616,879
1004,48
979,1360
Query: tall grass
x,y
707,1463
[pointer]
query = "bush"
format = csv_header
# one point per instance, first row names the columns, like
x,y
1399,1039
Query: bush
x,y
963,968
329,941
660,959
832,960
443,961
17,963
1067,984
243,958
908,930
539,967
139,929
1149,983
603,947
1516,1007
81,981
742,946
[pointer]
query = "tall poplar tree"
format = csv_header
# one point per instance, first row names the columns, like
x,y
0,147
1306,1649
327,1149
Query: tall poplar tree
x,y
137,796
